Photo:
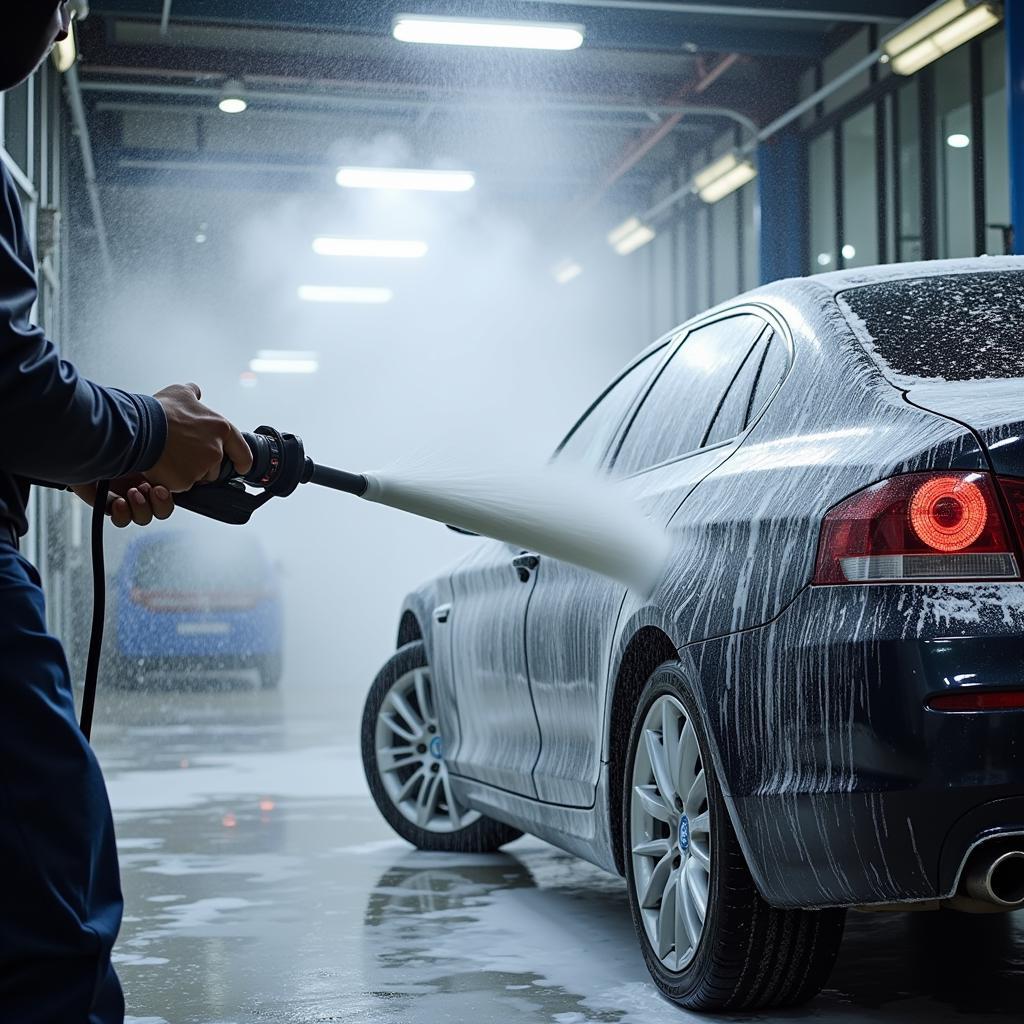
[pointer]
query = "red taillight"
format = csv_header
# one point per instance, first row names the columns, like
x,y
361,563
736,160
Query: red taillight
x,y
987,700
922,526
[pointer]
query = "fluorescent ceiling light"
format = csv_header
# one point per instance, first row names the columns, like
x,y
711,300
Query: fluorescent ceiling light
x,y
284,361
724,177
519,35
958,141
937,31
370,248
334,293
565,271
630,235
405,179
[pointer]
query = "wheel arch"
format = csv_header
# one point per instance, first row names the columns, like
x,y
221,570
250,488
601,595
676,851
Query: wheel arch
x,y
648,648
409,628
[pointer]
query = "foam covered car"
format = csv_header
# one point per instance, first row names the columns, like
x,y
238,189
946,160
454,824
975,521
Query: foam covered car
x,y
821,706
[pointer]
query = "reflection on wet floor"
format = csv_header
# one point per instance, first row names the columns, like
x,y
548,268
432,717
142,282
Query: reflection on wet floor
x,y
261,886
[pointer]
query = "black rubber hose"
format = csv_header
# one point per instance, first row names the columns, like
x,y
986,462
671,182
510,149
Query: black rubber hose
x,y
99,601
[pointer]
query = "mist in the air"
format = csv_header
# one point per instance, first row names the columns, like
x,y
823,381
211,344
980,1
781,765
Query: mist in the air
x,y
480,351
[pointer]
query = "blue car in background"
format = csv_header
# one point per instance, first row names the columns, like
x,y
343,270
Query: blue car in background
x,y
188,605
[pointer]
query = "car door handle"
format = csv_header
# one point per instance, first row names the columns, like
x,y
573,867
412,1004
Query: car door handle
x,y
442,612
528,562
524,565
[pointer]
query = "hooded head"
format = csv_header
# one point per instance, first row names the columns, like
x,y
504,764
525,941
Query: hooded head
x,y
28,30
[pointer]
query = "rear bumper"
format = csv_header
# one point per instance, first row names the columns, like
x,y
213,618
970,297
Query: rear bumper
x,y
845,788
143,634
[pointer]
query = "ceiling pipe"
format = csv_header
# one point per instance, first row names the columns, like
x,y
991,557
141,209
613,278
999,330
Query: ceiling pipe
x,y
727,10
773,128
74,92
642,147
165,17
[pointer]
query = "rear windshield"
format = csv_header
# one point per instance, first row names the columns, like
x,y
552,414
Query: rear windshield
x,y
954,327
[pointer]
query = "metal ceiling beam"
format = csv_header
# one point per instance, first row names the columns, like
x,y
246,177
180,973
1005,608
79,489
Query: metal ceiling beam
x,y
165,17
587,120
327,101
858,11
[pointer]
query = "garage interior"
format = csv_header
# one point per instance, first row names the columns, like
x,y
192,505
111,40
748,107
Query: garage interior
x,y
180,171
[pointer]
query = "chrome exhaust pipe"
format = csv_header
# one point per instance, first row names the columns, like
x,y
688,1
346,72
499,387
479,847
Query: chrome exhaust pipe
x,y
995,875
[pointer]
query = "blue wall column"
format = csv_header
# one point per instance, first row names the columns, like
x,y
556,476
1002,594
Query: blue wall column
x,y
784,200
1015,97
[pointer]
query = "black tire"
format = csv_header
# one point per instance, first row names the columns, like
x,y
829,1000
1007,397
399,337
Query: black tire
x,y
481,834
270,671
749,955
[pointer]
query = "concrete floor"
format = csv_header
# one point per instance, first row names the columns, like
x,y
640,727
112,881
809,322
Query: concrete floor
x,y
261,886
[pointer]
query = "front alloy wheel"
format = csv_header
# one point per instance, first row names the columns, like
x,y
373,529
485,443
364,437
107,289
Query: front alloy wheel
x,y
410,756
404,760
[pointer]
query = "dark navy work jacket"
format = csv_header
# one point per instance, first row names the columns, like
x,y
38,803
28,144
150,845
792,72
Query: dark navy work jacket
x,y
54,425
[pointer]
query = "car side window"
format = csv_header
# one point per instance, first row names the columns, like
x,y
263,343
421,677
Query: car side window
x,y
683,400
774,367
589,439
731,418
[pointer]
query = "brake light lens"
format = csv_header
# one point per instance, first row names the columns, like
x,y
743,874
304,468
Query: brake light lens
x,y
918,527
988,700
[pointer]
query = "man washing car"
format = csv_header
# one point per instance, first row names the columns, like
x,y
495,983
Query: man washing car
x,y
62,904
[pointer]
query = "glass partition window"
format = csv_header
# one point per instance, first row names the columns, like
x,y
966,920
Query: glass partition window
x,y
953,150
997,145
824,252
860,190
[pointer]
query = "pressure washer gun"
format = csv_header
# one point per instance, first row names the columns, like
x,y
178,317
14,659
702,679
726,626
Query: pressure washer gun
x,y
279,465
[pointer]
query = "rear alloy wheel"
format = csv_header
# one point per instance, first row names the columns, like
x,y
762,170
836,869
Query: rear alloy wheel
x,y
710,941
403,757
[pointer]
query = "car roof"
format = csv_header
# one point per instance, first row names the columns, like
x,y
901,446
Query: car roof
x,y
811,291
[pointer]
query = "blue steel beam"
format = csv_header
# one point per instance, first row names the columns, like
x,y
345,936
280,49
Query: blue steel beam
x,y
783,189
1015,113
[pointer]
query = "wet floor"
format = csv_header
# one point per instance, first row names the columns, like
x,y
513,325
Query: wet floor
x,y
261,886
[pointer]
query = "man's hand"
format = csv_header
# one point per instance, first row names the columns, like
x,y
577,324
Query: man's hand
x,y
198,439
132,499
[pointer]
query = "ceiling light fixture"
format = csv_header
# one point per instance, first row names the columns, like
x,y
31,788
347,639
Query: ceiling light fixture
x,y
518,35
405,179
232,98
334,293
938,30
958,141
284,361
724,177
369,248
565,271
630,235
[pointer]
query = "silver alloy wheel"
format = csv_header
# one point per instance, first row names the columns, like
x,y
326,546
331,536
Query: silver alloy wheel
x,y
670,833
410,757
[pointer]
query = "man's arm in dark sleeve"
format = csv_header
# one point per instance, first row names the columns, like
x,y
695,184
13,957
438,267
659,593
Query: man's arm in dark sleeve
x,y
54,424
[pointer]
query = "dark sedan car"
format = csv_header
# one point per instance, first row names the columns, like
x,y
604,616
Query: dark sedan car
x,y
821,706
